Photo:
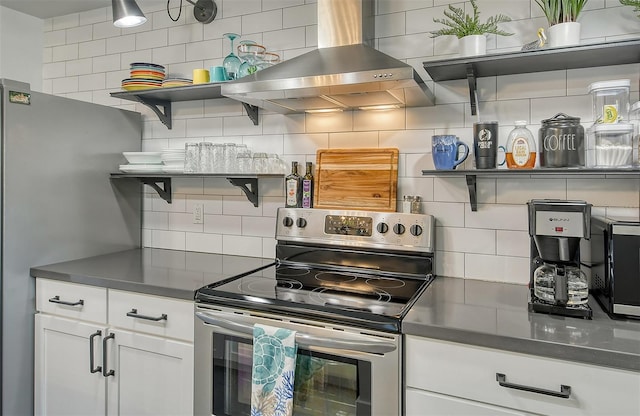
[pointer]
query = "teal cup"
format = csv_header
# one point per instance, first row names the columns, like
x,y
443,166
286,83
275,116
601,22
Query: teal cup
x,y
445,151
218,74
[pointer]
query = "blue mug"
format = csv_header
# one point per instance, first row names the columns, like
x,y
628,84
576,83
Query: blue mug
x,y
444,149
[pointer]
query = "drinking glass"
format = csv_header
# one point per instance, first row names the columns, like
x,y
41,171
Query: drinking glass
x,y
206,157
252,54
245,162
260,163
230,153
269,59
231,62
191,158
218,158
243,71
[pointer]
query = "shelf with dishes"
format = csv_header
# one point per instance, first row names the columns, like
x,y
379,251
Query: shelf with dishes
x,y
159,99
540,60
471,175
161,182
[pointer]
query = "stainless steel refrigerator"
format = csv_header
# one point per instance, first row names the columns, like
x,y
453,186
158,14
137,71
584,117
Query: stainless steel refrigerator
x,y
57,204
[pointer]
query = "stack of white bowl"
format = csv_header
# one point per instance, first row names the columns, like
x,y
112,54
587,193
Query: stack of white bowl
x,y
173,160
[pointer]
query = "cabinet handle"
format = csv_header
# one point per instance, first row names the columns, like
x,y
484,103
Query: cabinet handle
x,y
565,391
106,373
92,366
56,299
134,314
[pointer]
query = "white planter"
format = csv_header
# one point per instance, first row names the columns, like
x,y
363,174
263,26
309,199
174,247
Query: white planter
x,y
564,34
473,45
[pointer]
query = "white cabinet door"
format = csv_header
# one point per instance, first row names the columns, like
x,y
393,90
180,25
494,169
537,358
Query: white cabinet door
x,y
64,384
152,375
425,403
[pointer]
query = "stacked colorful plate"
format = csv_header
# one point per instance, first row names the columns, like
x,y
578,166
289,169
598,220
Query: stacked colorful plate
x,y
144,76
176,82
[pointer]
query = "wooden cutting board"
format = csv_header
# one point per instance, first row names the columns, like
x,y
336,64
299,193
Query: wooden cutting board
x,y
360,179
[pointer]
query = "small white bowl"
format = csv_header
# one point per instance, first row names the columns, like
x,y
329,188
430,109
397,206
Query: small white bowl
x,y
143,158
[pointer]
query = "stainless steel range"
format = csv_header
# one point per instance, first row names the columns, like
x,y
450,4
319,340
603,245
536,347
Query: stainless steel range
x,y
344,280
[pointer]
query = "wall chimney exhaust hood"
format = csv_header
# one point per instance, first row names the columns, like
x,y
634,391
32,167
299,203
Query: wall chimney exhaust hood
x,y
343,73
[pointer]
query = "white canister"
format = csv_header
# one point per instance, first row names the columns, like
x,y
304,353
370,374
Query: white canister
x,y
610,101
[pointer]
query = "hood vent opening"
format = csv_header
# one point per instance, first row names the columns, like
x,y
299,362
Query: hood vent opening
x,y
343,73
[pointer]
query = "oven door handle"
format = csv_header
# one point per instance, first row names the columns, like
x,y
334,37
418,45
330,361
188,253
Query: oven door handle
x,y
306,340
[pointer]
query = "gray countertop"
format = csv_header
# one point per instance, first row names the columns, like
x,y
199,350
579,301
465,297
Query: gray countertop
x,y
171,273
486,314
495,315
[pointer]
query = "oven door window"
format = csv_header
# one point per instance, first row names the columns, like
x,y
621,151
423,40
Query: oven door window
x,y
325,384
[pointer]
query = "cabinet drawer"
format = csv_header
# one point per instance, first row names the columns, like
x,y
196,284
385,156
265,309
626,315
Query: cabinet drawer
x,y
424,403
470,372
71,300
155,315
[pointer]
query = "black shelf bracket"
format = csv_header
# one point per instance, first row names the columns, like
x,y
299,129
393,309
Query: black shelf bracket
x,y
245,184
473,194
164,192
164,115
473,89
252,112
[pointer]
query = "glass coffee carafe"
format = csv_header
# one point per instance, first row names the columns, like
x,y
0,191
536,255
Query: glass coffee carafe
x,y
560,284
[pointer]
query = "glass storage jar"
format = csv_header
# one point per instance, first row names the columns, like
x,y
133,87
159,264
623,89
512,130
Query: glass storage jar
x,y
610,100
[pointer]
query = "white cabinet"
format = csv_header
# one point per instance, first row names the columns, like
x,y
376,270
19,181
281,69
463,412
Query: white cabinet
x,y
455,376
115,352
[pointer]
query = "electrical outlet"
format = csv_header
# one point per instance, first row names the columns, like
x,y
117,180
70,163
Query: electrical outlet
x,y
198,214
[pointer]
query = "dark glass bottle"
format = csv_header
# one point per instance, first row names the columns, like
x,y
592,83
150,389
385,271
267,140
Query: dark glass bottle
x,y
293,188
307,188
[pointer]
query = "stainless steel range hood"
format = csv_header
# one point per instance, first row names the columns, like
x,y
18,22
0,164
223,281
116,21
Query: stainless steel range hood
x,y
343,73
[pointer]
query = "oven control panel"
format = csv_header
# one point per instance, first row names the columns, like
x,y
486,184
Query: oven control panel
x,y
393,230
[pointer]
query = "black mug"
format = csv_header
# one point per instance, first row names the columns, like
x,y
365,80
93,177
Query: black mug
x,y
485,144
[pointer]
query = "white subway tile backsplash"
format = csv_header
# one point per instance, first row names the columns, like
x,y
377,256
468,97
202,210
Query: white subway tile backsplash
x,y
239,205
440,116
202,242
497,268
446,214
91,82
156,220
121,44
103,30
232,8
204,127
302,15
393,24
614,192
258,226
536,85
66,21
329,122
171,240
270,205
55,69
212,204
466,240
169,55
285,39
393,6
106,63
456,190
79,34
407,141
242,245
513,243
449,263
64,53
93,16
518,190
178,203
269,248
223,224
209,48
55,38
379,120
239,126
186,34
263,22
152,39
575,106
353,139
93,48
64,85
498,217
282,124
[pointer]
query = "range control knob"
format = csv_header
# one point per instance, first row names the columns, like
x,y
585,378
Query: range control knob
x,y
287,221
398,229
301,222
415,230
382,228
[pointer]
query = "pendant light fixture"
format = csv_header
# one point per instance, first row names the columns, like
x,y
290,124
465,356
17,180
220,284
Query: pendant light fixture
x,y
126,13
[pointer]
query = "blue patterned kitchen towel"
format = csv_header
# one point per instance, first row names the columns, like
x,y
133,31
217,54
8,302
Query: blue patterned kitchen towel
x,y
274,364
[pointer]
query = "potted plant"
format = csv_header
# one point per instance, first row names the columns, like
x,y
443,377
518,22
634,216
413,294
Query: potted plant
x,y
562,15
469,30
634,3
